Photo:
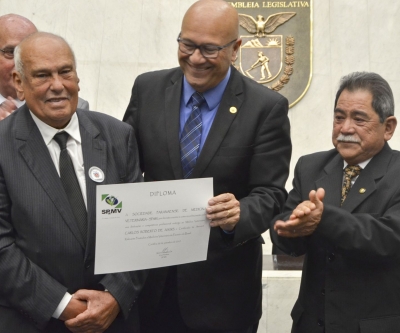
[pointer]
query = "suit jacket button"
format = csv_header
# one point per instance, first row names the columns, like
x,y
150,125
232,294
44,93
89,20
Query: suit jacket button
x,y
323,292
331,257
87,266
320,323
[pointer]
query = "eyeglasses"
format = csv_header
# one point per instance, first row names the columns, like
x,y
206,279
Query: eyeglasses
x,y
8,53
207,50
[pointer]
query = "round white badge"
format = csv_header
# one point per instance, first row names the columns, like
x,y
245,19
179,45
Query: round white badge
x,y
96,174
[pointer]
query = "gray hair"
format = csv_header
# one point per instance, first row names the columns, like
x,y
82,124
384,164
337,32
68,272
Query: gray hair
x,y
19,65
382,95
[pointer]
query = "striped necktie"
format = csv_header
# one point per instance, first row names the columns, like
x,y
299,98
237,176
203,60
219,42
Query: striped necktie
x,y
191,136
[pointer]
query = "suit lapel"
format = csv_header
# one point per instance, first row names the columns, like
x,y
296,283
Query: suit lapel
x,y
36,155
332,181
365,184
94,155
171,114
232,97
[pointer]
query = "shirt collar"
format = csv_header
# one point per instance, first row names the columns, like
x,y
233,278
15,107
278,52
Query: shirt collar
x,y
212,96
48,132
362,165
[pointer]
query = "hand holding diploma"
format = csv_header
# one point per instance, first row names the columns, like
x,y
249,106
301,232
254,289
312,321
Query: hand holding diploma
x,y
224,211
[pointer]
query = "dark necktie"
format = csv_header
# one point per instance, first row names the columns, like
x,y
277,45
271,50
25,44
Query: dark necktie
x,y
71,184
350,172
191,136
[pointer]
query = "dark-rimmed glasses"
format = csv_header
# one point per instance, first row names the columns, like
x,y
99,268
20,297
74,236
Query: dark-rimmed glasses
x,y
8,53
207,50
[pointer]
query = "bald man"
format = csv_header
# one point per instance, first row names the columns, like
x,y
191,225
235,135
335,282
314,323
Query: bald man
x,y
13,29
48,200
242,141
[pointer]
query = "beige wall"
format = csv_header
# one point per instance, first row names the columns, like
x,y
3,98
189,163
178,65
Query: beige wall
x,y
114,41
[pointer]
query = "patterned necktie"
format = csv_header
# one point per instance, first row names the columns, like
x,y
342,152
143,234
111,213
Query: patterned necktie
x,y
71,184
191,136
350,172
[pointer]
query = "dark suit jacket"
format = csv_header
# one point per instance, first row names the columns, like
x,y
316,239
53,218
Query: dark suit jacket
x,y
351,274
247,153
42,253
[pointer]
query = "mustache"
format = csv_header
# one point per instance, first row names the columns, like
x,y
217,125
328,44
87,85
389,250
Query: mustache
x,y
347,138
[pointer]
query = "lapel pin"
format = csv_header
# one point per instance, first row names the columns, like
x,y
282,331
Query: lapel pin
x,y
96,174
362,190
232,109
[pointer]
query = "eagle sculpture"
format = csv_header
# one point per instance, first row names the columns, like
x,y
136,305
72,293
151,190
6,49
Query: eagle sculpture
x,y
261,27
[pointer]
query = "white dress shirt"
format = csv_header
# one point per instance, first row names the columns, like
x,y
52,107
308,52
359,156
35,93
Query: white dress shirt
x,y
362,165
74,148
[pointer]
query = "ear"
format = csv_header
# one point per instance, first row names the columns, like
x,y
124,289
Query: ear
x,y
390,126
236,49
18,85
79,88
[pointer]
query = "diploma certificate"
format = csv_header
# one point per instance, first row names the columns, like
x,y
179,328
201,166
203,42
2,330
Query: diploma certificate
x,y
154,224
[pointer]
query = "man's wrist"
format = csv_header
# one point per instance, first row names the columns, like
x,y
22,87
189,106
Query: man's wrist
x,y
62,305
229,232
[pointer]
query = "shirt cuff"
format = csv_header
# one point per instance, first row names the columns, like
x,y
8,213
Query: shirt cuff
x,y
62,305
229,232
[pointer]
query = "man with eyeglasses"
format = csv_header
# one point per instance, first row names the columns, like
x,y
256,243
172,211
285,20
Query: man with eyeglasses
x,y
13,29
205,119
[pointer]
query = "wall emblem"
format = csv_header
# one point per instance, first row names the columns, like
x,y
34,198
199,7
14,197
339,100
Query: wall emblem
x,y
276,51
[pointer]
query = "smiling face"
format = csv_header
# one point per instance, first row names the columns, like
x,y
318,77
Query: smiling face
x,y
50,82
209,22
358,134
13,29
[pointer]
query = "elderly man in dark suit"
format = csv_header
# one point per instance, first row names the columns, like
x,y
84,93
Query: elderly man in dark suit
x,y
344,215
205,119
13,29
48,148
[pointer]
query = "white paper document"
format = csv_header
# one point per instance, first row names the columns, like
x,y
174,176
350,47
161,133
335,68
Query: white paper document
x,y
148,225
